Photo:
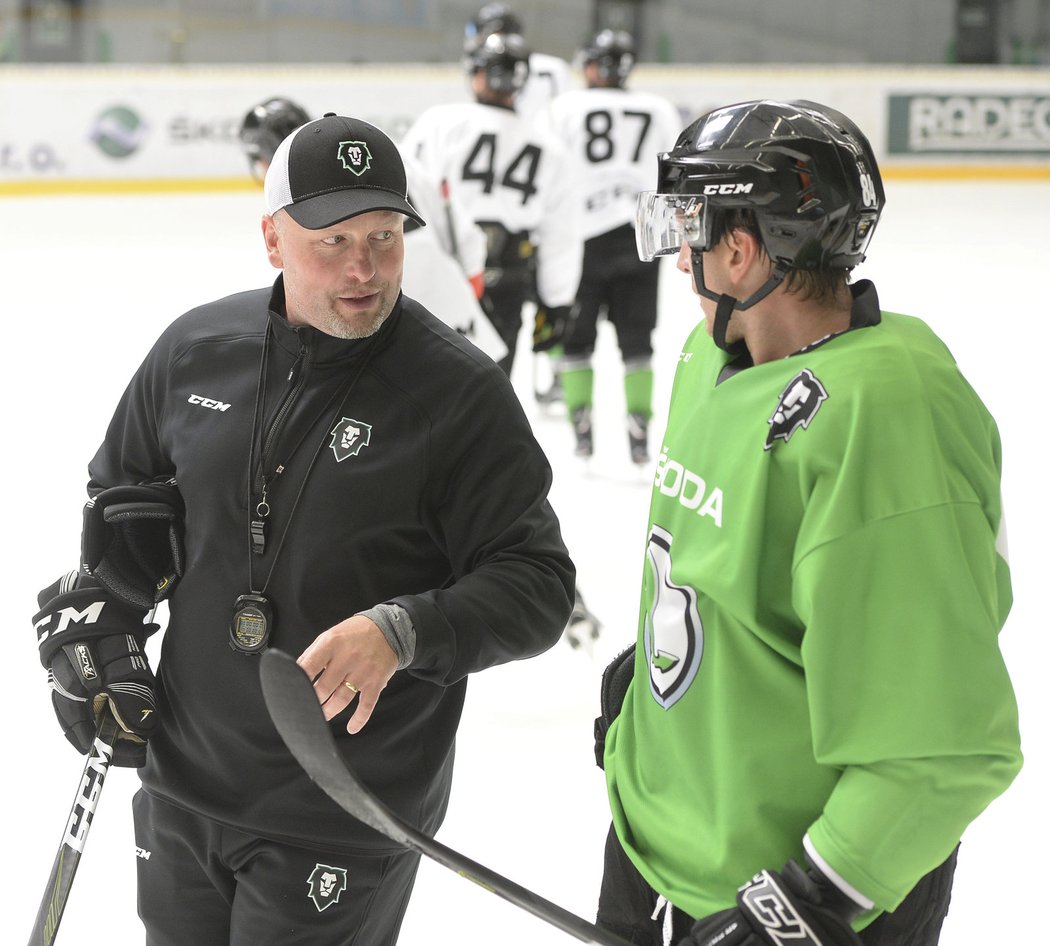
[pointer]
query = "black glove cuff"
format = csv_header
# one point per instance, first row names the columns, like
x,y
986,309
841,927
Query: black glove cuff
x,y
132,541
616,678
820,889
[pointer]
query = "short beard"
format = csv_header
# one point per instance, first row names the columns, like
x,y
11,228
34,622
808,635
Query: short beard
x,y
339,329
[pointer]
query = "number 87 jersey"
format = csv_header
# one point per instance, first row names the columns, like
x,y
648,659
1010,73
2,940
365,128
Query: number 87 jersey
x,y
505,169
615,134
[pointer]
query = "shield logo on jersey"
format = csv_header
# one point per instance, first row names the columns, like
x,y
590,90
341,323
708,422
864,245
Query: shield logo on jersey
x,y
326,885
355,156
799,403
349,438
673,635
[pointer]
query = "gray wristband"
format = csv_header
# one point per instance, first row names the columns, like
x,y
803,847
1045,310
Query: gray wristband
x,y
397,628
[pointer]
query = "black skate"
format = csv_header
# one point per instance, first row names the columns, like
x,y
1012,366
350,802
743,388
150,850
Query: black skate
x,y
638,437
581,425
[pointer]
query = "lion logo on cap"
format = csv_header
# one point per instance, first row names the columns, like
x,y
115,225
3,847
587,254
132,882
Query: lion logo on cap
x,y
355,156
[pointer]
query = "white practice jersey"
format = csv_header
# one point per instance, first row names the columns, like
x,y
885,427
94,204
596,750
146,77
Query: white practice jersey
x,y
507,170
446,218
616,135
549,77
440,258
434,279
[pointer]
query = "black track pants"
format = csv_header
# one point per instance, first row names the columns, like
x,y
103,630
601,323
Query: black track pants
x,y
201,882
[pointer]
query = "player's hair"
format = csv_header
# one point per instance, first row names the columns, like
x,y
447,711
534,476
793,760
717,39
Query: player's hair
x,y
824,285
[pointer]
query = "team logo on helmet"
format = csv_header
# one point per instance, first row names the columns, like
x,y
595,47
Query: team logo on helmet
x,y
674,634
326,885
799,403
355,156
349,438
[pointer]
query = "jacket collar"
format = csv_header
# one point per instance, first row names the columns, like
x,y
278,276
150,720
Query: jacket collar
x,y
324,348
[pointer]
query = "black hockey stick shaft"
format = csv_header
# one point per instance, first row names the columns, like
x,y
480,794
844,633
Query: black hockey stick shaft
x,y
297,715
59,884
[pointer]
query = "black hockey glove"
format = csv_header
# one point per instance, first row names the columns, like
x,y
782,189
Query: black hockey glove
x,y
91,644
549,327
795,906
616,678
132,541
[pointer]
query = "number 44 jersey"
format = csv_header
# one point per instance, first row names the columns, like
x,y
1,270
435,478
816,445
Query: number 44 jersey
x,y
511,173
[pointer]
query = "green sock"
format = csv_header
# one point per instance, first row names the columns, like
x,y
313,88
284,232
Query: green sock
x,y
578,385
638,386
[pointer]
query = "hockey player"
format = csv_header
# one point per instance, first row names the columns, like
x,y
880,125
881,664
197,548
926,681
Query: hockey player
x,y
355,484
615,134
817,705
549,75
517,183
449,247
264,127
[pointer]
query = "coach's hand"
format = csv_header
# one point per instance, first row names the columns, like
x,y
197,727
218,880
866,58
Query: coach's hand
x,y
350,661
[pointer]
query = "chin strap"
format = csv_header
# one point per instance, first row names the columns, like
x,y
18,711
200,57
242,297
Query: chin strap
x,y
723,313
726,304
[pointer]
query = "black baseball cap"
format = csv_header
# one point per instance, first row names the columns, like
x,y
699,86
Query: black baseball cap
x,y
335,168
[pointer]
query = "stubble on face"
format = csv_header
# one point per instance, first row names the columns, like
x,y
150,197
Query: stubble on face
x,y
347,302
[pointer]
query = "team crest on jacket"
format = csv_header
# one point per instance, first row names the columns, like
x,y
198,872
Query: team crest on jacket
x,y
355,156
799,403
349,438
326,885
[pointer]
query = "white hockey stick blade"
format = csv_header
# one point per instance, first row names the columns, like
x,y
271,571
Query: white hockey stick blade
x,y
297,715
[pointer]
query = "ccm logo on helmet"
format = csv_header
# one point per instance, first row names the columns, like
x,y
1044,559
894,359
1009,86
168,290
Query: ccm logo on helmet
x,y
208,402
728,188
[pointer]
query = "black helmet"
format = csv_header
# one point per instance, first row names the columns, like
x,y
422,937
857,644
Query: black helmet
x,y
267,125
492,18
612,51
504,58
806,171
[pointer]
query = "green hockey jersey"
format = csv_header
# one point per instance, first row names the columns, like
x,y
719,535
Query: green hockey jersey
x,y
823,590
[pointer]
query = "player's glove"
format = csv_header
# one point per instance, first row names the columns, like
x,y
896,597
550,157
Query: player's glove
x,y
549,327
92,646
794,906
616,678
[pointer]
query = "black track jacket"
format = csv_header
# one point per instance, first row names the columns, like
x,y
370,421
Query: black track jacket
x,y
424,487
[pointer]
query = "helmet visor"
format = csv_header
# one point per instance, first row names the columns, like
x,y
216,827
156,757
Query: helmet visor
x,y
664,221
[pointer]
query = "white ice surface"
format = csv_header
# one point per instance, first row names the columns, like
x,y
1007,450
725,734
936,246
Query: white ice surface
x,y
89,282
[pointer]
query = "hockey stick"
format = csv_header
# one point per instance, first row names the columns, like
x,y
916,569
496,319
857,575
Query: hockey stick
x,y
70,850
293,705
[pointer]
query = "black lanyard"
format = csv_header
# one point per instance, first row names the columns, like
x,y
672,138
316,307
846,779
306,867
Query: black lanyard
x,y
252,621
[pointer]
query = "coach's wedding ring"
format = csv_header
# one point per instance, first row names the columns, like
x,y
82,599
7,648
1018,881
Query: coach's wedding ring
x,y
350,687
